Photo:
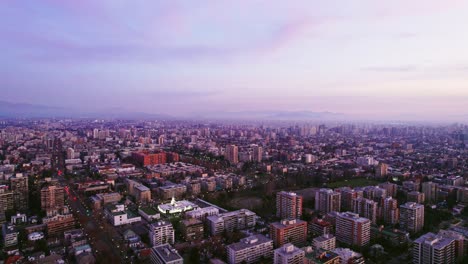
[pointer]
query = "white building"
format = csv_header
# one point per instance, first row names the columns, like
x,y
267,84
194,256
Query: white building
x,y
161,233
118,215
202,213
289,254
175,207
165,254
326,242
236,220
250,250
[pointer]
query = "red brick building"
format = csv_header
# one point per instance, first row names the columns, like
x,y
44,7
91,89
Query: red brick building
x,y
289,231
146,158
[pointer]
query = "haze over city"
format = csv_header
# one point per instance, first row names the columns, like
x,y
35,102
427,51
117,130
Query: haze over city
x,y
366,60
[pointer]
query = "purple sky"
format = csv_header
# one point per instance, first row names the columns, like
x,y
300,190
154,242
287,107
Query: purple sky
x,y
367,59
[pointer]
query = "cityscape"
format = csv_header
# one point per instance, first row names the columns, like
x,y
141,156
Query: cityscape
x,y
233,132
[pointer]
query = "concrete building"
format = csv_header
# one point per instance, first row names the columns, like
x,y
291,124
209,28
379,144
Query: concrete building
x,y
288,254
59,223
391,188
352,229
412,217
118,215
257,154
347,256
390,211
165,254
440,248
320,227
415,197
172,191
250,250
9,235
366,208
381,170
325,242
52,198
347,196
6,199
232,154
202,213
19,186
288,205
430,190
326,200
142,194
161,233
236,220
192,229
289,231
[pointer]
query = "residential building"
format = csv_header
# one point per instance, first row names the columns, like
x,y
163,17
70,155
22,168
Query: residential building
x,y
232,154
236,220
288,205
326,200
52,198
19,187
325,242
165,254
192,229
415,197
288,254
366,208
430,190
412,217
440,248
250,250
352,229
161,233
390,211
289,231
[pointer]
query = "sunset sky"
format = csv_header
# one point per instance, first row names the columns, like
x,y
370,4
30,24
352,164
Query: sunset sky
x,y
366,59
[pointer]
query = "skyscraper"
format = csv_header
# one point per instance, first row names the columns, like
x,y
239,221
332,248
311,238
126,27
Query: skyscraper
x,y
326,200
288,205
347,196
412,217
232,154
19,186
352,229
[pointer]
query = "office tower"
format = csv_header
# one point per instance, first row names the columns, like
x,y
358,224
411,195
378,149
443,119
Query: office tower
x,y
320,227
257,154
288,205
70,153
161,233
391,188
165,254
390,211
415,197
365,208
230,221
412,217
326,200
440,248
250,250
381,170
52,198
289,231
347,196
352,229
430,191
6,199
325,242
232,154
19,187
288,254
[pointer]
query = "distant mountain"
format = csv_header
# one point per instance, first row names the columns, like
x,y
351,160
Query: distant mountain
x,y
275,115
24,110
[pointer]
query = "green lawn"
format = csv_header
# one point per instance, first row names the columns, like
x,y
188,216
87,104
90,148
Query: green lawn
x,y
357,182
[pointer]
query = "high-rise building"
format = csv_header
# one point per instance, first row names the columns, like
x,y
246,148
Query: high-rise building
x,y
416,197
347,196
375,193
165,254
250,250
236,220
430,191
352,229
366,208
325,242
192,229
288,205
52,198
232,154
390,211
19,186
289,254
257,154
326,200
412,217
441,248
381,170
161,233
289,231
320,227
6,199
70,153
391,188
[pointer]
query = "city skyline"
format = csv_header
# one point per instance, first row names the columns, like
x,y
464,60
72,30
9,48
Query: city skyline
x,y
366,61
